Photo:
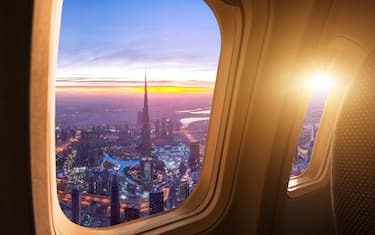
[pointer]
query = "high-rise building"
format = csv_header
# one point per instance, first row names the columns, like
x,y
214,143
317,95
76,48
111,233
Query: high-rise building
x,y
124,132
194,155
146,170
132,212
146,162
106,182
170,129
115,200
157,128
183,189
163,130
96,185
156,200
91,134
89,147
146,139
76,205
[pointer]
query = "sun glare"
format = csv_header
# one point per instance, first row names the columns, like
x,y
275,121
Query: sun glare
x,y
321,82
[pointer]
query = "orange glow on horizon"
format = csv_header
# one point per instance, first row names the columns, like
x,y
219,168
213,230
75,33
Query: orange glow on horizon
x,y
117,90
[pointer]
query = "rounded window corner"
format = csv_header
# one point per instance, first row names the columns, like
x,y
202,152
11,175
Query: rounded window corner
x,y
49,215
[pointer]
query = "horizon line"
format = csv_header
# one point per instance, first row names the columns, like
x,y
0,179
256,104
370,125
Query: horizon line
x,y
166,89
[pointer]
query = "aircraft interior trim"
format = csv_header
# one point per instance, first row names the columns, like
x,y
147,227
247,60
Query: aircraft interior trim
x,y
270,50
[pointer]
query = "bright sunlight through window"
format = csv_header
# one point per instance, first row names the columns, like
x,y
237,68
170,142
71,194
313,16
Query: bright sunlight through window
x,y
321,82
320,85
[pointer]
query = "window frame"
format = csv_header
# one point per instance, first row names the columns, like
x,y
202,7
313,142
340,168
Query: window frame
x,y
317,169
208,196
317,174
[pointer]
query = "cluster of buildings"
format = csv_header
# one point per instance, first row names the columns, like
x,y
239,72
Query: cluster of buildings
x,y
304,149
109,176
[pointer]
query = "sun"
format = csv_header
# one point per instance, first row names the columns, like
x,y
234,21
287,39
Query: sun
x,y
320,82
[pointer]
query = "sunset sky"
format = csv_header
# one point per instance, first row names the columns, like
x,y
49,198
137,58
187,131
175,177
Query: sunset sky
x,y
109,43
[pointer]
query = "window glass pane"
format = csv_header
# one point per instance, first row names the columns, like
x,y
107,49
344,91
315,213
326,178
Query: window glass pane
x,y
308,132
130,140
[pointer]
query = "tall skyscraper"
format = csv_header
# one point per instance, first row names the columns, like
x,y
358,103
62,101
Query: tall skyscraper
x,y
194,155
146,139
132,212
146,162
115,200
146,169
156,200
76,205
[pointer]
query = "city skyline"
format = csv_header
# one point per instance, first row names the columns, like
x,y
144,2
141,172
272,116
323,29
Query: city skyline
x,y
127,171
106,47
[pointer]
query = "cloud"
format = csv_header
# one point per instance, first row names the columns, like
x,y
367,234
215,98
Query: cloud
x,y
128,57
103,44
121,82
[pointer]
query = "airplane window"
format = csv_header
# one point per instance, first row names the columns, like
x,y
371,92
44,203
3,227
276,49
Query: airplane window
x,y
320,86
134,88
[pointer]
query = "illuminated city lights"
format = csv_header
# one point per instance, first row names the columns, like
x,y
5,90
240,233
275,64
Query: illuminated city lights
x,y
130,144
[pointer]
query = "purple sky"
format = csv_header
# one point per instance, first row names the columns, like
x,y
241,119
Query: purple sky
x,y
112,41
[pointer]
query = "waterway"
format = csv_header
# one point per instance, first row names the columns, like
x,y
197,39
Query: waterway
x,y
187,121
121,164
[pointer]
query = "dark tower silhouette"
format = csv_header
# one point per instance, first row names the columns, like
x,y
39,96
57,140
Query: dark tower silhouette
x,y
146,168
115,200
76,205
146,140
132,213
194,155
156,202
146,163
